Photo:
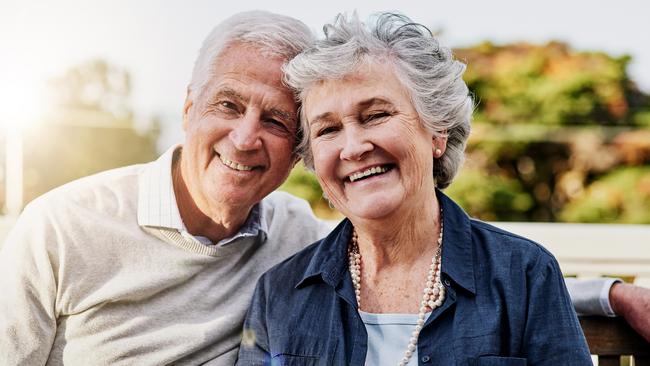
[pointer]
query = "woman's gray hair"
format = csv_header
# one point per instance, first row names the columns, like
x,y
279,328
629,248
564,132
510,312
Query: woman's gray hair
x,y
273,34
426,69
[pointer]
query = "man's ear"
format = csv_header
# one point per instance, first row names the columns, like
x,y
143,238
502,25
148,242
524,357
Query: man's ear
x,y
186,108
296,159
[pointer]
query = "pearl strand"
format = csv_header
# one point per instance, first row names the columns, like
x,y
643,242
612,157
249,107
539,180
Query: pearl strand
x,y
433,294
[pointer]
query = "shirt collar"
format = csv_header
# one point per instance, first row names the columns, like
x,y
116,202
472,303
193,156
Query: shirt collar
x,y
330,260
156,199
457,254
157,205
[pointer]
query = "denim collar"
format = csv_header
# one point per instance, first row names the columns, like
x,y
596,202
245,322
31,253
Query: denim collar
x,y
329,264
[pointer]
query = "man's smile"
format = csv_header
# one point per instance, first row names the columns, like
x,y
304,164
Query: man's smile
x,y
234,165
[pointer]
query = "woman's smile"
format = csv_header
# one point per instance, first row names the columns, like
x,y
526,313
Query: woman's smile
x,y
369,173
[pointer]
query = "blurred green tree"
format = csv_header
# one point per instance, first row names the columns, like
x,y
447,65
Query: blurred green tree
x,y
622,195
90,128
551,84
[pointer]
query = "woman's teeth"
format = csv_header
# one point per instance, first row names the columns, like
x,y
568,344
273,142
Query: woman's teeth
x,y
367,172
233,165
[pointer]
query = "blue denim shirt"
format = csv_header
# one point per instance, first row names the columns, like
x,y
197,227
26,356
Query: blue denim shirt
x,y
506,305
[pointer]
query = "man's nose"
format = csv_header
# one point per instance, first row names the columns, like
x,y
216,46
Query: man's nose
x,y
245,134
356,145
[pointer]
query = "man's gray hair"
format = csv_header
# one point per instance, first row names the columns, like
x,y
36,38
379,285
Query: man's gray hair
x,y
426,69
273,34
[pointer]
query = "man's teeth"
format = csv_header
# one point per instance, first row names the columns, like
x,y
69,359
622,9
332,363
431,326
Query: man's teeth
x,y
233,165
367,172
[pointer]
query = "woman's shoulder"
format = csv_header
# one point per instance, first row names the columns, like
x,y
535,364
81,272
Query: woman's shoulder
x,y
291,271
499,244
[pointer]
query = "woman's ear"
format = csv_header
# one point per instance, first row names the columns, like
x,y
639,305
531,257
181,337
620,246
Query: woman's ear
x,y
439,144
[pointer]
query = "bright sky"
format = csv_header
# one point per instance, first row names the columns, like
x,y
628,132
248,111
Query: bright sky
x,y
158,40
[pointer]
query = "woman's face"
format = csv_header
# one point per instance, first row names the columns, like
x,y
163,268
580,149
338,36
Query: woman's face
x,y
372,156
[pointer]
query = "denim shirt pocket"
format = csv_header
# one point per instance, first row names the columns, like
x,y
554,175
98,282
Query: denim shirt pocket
x,y
500,361
301,350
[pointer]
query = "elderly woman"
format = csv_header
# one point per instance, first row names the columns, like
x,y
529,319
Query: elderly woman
x,y
407,278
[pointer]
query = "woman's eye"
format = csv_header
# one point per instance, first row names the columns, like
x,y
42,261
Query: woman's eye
x,y
325,131
378,115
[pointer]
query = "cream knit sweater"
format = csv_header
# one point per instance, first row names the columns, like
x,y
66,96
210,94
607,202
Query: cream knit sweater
x,y
82,284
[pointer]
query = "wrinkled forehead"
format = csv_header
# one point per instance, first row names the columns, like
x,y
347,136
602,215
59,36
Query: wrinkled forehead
x,y
369,81
245,69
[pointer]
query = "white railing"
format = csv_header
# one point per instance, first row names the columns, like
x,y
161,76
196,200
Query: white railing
x,y
593,250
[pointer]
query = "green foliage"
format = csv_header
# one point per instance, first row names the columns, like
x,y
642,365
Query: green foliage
x,y
621,196
303,183
490,197
549,85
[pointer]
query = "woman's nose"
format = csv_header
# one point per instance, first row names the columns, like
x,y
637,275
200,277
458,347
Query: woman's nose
x,y
355,145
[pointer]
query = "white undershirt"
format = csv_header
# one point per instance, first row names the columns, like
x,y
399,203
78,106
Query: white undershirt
x,y
388,337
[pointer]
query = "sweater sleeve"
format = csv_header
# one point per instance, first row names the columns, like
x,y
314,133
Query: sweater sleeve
x,y
27,293
591,297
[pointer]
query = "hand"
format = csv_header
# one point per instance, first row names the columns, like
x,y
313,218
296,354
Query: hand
x,y
632,303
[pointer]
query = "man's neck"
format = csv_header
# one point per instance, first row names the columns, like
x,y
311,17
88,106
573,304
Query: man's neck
x,y
214,223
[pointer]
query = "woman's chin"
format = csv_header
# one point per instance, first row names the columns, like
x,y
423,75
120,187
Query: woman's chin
x,y
373,207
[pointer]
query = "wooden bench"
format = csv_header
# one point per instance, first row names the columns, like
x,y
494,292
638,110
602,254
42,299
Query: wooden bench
x,y
611,338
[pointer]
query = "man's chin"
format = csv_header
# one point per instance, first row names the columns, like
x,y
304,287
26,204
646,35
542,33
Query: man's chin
x,y
233,194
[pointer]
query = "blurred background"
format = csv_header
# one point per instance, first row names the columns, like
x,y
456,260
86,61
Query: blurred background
x,y
561,131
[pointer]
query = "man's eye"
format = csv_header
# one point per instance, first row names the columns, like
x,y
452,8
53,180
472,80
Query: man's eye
x,y
276,123
228,105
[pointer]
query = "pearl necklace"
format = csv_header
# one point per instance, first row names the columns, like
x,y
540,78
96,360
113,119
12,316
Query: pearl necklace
x,y
433,294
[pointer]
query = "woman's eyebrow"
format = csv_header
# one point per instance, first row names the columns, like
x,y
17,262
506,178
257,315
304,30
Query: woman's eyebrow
x,y
374,101
321,118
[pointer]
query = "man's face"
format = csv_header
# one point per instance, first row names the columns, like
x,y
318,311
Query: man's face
x,y
240,131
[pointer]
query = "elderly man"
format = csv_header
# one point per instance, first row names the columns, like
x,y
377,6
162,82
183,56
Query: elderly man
x,y
156,263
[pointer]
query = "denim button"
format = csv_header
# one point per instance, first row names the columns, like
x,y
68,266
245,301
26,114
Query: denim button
x,y
425,359
447,283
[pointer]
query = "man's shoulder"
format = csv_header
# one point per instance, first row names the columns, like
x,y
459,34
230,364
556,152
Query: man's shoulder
x,y
279,200
284,211
80,209
105,190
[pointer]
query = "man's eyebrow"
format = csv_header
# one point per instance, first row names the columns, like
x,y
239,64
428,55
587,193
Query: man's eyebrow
x,y
283,115
230,93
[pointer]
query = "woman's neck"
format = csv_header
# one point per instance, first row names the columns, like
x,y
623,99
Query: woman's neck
x,y
400,239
